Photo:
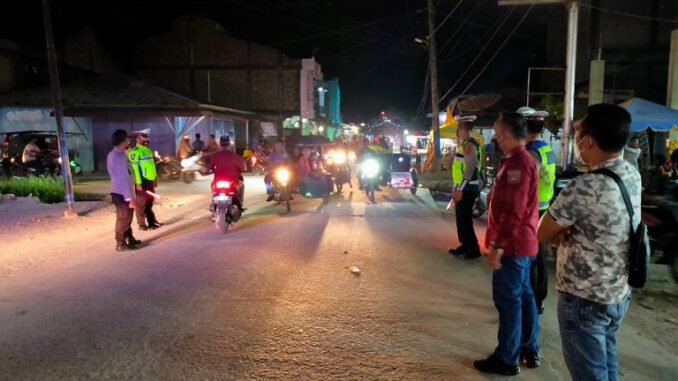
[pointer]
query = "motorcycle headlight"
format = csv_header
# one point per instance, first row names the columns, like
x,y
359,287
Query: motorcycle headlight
x,y
283,175
351,156
59,160
339,157
370,168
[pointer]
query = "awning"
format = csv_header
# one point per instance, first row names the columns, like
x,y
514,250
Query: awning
x,y
646,114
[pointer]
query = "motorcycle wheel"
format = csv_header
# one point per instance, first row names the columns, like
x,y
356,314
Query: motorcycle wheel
x,y
674,267
478,209
188,177
340,186
370,195
287,200
222,224
413,190
164,173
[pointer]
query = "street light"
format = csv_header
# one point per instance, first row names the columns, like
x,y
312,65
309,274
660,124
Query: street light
x,y
321,129
362,124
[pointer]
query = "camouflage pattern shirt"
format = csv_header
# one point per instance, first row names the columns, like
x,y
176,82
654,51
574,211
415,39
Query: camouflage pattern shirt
x,y
593,264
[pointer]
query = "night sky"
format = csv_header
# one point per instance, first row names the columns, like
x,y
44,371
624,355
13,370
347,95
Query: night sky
x,y
368,44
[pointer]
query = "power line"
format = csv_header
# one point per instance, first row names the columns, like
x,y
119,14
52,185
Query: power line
x,y
497,51
479,5
447,18
479,54
627,14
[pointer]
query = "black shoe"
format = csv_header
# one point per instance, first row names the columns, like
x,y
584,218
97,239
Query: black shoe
x,y
493,365
471,254
155,225
143,227
540,308
131,241
458,251
530,359
124,247
269,198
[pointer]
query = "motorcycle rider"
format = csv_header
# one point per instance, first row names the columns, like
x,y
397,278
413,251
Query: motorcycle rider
x,y
543,156
465,176
184,151
276,159
142,159
227,165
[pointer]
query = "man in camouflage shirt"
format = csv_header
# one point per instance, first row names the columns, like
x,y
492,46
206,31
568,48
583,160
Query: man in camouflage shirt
x,y
590,222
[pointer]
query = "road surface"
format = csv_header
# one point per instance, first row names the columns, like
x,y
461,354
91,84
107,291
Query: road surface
x,y
274,299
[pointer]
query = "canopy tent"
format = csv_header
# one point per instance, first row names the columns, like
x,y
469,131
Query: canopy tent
x,y
646,114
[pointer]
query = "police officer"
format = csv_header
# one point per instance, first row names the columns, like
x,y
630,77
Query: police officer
x,y
143,164
466,188
546,164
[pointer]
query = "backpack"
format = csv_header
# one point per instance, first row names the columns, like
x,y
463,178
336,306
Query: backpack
x,y
639,252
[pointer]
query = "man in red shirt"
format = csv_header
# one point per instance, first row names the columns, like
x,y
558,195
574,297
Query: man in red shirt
x,y
226,165
512,246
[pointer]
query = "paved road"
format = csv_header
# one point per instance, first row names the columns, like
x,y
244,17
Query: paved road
x,y
274,299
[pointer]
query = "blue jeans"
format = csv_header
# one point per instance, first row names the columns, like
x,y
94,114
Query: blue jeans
x,y
588,331
518,319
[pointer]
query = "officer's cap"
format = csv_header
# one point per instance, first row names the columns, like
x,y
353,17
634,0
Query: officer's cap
x,y
530,113
144,132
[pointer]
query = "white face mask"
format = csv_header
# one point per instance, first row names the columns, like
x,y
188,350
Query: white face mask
x,y
578,151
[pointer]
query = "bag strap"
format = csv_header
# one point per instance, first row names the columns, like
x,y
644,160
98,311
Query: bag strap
x,y
622,188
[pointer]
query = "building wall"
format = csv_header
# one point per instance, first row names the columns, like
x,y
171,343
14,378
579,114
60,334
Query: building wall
x,y
199,60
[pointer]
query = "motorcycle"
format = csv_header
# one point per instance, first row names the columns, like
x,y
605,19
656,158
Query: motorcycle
x,y
486,178
282,191
369,174
338,167
168,167
661,219
256,163
193,168
226,207
402,175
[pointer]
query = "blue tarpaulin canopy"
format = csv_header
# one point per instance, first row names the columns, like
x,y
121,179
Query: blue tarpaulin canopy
x,y
646,114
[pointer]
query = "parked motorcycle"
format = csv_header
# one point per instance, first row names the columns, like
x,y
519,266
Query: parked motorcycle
x,y
338,167
661,218
486,178
193,168
369,174
226,207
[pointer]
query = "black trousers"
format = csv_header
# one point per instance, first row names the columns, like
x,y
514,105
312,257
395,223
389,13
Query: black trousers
x,y
123,219
538,274
464,215
144,203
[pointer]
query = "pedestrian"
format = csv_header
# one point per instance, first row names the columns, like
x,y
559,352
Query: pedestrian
x,y
122,191
632,152
145,179
545,159
512,246
198,145
465,175
591,223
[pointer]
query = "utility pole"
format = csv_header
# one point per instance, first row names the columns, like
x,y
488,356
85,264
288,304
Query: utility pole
x,y
571,68
58,111
433,68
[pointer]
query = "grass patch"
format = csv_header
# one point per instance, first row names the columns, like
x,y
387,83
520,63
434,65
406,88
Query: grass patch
x,y
49,190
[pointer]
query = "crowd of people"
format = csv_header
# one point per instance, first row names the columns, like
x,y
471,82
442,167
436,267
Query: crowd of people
x,y
588,223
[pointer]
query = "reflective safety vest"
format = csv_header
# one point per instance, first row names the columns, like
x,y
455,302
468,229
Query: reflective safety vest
x,y
547,172
143,163
458,165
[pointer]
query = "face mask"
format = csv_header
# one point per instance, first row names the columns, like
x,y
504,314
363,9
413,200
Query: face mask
x,y
578,151
144,143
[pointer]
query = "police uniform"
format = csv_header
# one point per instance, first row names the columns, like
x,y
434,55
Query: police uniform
x,y
546,164
465,177
142,160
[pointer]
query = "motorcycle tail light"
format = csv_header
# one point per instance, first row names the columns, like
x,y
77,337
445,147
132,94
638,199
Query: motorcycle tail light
x,y
222,184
